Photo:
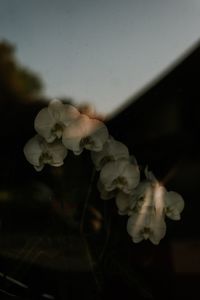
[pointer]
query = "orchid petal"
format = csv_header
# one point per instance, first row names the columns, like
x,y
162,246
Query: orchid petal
x,y
38,152
63,113
33,151
174,205
85,133
44,122
51,120
120,174
124,202
105,195
146,226
112,150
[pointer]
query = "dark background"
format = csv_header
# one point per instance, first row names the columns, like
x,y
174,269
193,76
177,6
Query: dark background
x,y
58,237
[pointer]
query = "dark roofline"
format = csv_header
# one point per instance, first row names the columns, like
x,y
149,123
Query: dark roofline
x,y
184,62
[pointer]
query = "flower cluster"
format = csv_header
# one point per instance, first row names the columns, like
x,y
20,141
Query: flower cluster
x,y
62,127
147,207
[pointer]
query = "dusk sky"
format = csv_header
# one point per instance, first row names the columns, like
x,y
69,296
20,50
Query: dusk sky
x,y
99,51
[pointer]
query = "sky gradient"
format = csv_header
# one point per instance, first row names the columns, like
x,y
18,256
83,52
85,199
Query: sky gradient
x,y
99,51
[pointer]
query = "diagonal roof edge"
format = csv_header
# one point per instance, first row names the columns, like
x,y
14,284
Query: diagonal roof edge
x,y
163,75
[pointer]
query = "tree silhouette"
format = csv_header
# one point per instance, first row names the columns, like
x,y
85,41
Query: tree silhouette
x,y
16,81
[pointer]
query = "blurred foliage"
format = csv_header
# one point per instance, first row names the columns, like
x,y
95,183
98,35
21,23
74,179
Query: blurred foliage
x,y
16,80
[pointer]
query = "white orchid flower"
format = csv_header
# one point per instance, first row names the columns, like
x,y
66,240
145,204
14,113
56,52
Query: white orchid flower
x,y
146,219
152,203
174,205
173,202
148,195
120,175
146,225
112,150
129,203
125,203
38,152
85,133
143,196
105,195
51,120
139,193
